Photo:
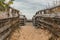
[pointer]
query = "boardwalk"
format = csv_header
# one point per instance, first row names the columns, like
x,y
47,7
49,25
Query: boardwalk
x,y
28,32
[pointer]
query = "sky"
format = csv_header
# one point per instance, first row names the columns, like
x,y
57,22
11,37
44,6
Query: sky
x,y
30,7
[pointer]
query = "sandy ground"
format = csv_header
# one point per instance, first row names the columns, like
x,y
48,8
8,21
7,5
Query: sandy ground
x,y
28,32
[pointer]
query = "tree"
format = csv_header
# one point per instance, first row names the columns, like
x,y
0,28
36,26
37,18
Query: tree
x,y
5,5
10,2
2,0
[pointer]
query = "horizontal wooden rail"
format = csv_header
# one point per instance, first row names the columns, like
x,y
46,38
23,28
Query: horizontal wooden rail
x,y
51,24
7,25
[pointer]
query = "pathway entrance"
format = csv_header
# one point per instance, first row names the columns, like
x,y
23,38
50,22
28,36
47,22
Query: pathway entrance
x,y
28,32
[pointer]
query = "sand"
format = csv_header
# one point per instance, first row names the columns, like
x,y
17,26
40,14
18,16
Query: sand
x,y
28,32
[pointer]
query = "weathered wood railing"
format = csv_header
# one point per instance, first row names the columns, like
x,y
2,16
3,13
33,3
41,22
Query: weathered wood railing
x,y
7,25
51,24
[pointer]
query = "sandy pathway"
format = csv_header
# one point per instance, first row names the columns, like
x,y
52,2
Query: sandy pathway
x,y
28,32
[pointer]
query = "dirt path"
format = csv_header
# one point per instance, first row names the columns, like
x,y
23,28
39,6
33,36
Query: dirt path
x,y
28,32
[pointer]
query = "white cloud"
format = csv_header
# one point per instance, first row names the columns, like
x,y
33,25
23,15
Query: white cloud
x,y
29,7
